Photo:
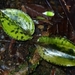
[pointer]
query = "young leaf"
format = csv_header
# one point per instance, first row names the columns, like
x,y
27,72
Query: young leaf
x,y
17,24
48,13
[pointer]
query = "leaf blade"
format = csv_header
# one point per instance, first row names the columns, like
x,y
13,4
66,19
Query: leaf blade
x,y
13,23
55,49
56,57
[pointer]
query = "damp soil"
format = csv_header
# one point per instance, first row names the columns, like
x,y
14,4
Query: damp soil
x,y
21,57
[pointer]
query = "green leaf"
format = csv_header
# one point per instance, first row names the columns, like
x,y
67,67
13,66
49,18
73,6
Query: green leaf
x,y
56,57
62,44
17,24
62,48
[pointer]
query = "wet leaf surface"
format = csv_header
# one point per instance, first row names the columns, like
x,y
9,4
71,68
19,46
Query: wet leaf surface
x,y
14,53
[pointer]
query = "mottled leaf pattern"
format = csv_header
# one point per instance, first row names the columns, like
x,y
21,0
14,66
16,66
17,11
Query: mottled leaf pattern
x,y
58,50
56,57
17,24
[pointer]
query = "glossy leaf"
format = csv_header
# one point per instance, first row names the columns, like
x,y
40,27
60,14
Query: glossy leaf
x,y
17,24
56,57
59,49
62,44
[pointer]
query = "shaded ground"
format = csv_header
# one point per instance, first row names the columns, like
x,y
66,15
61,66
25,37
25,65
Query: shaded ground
x,y
21,58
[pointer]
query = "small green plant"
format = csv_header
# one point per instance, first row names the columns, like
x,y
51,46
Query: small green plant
x,y
20,26
49,13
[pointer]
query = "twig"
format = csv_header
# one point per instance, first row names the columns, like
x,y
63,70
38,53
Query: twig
x,y
36,12
66,12
4,41
53,71
67,6
49,5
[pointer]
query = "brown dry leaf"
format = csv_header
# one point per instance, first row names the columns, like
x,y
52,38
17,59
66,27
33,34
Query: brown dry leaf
x,y
41,27
36,57
2,72
45,33
68,7
6,72
23,8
